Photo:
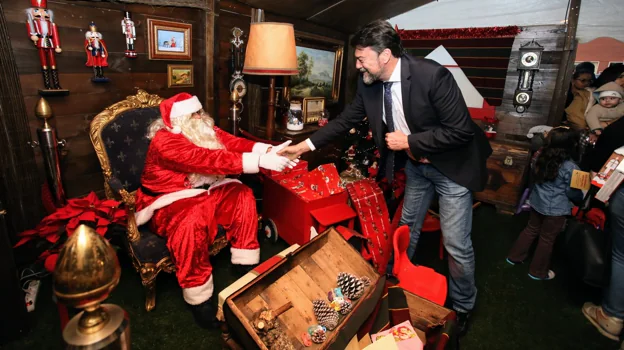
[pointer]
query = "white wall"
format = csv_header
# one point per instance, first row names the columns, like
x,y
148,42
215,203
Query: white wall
x,y
598,17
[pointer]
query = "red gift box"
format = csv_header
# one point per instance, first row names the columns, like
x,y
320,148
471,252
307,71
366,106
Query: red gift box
x,y
300,168
325,180
308,195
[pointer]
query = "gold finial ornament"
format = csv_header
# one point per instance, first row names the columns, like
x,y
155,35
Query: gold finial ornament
x,y
234,96
44,111
86,273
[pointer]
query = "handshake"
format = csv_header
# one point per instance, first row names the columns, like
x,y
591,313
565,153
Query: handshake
x,y
282,156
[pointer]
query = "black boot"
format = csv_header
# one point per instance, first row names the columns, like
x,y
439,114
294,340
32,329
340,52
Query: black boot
x,y
55,79
100,72
46,78
205,314
463,322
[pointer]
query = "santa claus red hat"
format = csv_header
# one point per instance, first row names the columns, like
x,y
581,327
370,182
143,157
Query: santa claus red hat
x,y
177,106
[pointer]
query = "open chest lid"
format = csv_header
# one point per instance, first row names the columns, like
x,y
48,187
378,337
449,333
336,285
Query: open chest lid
x,y
303,276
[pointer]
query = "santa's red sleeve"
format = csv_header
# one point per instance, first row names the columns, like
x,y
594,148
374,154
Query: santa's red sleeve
x,y
239,144
178,153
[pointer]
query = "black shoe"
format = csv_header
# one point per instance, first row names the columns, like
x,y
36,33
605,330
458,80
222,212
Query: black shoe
x,y
205,315
463,321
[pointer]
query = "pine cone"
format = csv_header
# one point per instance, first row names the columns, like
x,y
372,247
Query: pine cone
x,y
319,336
346,307
351,286
325,314
365,281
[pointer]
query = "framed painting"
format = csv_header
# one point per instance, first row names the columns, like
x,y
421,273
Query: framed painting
x,y
320,67
313,109
169,40
180,75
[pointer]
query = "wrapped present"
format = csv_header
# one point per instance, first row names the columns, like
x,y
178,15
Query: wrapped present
x,y
325,180
300,168
308,195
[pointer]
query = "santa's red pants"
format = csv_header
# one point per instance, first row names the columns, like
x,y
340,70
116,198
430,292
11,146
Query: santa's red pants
x,y
190,226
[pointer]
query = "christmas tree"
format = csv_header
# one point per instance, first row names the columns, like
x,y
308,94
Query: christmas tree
x,y
361,153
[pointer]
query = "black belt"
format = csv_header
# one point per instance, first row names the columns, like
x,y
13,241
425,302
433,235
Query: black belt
x,y
149,192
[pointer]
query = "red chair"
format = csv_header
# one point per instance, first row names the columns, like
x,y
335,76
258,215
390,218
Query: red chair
x,y
430,224
420,280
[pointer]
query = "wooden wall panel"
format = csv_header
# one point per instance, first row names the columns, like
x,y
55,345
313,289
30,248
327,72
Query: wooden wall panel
x,y
513,125
74,113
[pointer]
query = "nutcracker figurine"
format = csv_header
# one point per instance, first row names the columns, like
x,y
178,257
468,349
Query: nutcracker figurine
x,y
97,54
127,28
44,35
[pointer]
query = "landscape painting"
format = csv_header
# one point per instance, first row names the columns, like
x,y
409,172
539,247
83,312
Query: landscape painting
x,y
316,73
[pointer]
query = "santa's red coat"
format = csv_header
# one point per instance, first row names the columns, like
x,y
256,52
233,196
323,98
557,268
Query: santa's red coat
x,y
188,216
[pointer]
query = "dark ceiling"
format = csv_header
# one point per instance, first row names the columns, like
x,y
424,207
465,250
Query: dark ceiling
x,y
342,15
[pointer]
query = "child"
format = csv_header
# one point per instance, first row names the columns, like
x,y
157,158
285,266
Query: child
x,y
609,107
549,201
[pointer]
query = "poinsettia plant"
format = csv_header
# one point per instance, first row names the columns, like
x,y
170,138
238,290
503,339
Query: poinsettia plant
x,y
56,227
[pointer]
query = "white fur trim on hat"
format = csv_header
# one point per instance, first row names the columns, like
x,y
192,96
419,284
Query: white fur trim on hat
x,y
185,107
245,256
610,94
199,294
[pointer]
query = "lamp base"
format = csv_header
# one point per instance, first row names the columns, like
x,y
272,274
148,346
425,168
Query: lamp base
x,y
114,334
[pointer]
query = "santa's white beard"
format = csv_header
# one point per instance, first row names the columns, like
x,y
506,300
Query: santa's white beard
x,y
200,132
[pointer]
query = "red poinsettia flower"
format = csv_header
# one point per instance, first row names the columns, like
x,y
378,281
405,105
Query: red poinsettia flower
x,y
89,208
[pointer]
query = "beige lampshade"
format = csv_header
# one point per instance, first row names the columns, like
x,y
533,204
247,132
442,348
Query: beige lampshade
x,y
271,49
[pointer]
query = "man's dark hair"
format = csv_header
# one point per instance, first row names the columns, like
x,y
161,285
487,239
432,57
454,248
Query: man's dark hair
x,y
378,35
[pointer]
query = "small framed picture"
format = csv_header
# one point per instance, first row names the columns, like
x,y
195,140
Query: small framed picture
x,y
169,40
313,109
180,75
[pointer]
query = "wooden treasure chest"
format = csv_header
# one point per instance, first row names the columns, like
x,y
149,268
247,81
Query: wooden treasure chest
x,y
294,287
507,167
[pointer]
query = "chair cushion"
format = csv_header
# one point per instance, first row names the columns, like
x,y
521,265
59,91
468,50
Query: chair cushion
x,y
126,144
151,248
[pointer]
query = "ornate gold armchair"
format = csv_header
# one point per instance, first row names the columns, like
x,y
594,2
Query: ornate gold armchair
x,y
118,136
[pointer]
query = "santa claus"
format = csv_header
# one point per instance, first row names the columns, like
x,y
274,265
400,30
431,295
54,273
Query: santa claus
x,y
185,194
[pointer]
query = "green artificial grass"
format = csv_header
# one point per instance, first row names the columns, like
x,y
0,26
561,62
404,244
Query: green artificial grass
x,y
512,312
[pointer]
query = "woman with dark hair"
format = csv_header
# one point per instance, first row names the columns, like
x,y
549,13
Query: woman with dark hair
x,y
549,201
613,73
579,98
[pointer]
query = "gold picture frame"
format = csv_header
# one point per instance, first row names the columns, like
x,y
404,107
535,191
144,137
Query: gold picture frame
x,y
313,108
180,75
169,40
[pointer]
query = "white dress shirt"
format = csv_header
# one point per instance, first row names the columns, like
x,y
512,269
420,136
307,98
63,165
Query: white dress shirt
x,y
398,115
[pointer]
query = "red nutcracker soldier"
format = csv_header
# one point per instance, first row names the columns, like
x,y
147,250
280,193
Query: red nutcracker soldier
x,y
44,35
97,54
127,28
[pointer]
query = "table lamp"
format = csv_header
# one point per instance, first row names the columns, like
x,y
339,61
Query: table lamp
x,y
271,51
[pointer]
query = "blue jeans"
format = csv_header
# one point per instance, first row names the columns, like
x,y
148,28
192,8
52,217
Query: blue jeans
x,y
455,203
613,301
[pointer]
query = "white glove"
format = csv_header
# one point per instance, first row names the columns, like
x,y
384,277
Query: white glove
x,y
276,149
272,161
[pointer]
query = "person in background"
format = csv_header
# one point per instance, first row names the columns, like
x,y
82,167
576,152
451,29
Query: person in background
x,y
416,109
609,108
608,316
550,201
579,98
613,73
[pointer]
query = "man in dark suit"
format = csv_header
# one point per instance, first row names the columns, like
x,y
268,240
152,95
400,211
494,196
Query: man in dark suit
x,y
415,108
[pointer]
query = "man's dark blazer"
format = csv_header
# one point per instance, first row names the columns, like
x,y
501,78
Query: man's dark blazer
x,y
436,113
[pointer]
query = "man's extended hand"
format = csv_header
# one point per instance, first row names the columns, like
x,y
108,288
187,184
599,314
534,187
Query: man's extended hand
x,y
397,141
293,152
276,149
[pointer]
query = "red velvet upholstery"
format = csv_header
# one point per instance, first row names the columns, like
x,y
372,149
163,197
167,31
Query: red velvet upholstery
x,y
420,280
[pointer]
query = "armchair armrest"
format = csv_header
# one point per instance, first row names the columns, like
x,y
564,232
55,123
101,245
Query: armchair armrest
x,y
127,197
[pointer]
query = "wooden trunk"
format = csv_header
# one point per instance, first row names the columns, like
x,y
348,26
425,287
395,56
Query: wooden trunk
x,y
425,315
307,274
507,174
